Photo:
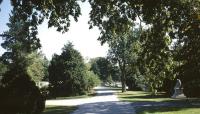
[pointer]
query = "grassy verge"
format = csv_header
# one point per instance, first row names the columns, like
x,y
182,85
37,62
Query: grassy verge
x,y
137,96
59,109
75,97
169,110
144,103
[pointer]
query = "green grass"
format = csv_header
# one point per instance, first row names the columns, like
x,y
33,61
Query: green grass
x,y
59,109
137,96
170,110
186,106
75,97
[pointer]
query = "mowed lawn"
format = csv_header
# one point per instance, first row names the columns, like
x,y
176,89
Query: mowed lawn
x,y
191,106
170,110
59,109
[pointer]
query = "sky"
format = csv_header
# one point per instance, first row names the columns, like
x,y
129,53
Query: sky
x,y
83,38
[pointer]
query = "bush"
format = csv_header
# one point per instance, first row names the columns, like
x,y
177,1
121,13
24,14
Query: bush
x,y
191,89
20,95
92,80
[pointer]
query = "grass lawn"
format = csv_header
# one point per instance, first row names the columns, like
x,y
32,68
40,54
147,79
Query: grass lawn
x,y
137,96
169,110
76,97
59,109
140,98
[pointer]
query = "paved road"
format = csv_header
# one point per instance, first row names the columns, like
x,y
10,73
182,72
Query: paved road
x,y
106,102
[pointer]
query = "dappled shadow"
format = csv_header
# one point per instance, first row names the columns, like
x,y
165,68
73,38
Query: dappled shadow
x,y
165,106
105,108
142,101
107,89
71,97
161,109
162,103
146,97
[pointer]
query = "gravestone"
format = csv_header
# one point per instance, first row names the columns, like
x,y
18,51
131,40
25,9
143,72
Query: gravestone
x,y
178,90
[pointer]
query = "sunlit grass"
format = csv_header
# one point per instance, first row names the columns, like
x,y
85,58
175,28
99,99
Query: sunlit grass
x,y
134,96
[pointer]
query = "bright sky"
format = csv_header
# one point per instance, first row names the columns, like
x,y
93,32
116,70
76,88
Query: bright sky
x,y
83,39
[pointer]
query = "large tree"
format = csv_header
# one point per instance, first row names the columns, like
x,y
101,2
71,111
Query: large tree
x,y
119,52
67,72
20,93
155,60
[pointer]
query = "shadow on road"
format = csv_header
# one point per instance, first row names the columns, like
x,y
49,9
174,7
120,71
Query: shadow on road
x,y
105,108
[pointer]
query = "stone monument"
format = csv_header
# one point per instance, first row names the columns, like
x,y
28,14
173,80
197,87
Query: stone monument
x,y
178,90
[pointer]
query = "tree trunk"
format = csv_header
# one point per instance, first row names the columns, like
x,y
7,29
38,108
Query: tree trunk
x,y
123,78
123,81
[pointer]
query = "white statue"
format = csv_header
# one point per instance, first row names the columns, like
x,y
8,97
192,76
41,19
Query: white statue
x,y
178,90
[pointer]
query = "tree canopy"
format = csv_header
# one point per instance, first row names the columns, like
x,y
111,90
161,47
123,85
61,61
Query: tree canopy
x,y
101,67
165,21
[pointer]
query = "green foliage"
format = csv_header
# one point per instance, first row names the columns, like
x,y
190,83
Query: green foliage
x,y
92,80
3,68
123,51
36,66
19,94
115,73
165,20
101,67
67,73
186,48
58,13
156,59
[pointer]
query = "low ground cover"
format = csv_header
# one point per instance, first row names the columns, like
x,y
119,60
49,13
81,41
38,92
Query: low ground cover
x,y
59,109
75,97
169,110
144,103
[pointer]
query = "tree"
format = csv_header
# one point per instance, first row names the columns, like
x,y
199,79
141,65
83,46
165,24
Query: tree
x,y
186,49
156,62
67,72
101,67
92,80
115,73
3,68
177,18
58,13
120,49
36,66
19,92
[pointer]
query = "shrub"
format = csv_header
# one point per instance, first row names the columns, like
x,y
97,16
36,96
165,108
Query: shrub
x,y
191,89
20,95
92,80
